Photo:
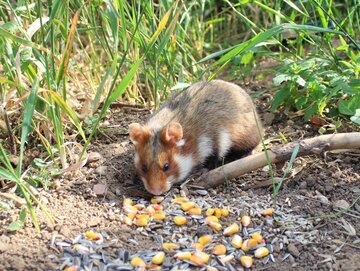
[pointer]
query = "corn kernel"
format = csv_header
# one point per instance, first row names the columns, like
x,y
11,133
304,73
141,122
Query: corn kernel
x,y
92,235
158,258
205,239
224,212
245,220
180,200
180,220
211,218
127,220
209,212
187,205
219,249
153,267
150,210
142,216
141,222
227,258
233,228
157,199
257,236
157,207
194,211
267,212
211,268
236,241
183,256
261,252
159,216
170,246
246,261
216,226
199,258
129,209
217,212
137,262
71,268
198,246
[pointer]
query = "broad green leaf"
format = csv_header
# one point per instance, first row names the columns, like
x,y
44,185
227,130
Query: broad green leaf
x,y
279,98
15,226
356,117
281,78
349,107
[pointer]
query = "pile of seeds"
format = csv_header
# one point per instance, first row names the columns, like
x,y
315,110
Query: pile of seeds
x,y
196,235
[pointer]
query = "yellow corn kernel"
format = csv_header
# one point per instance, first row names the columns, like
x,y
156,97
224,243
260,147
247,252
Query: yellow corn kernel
x,y
246,261
187,205
217,212
216,226
261,252
131,216
236,241
129,209
245,220
211,268
244,246
141,222
209,212
142,216
183,256
198,246
267,212
157,207
194,211
180,200
92,235
219,249
257,236
157,199
153,267
233,228
137,262
211,218
180,220
128,202
150,210
71,268
205,239
158,258
224,212
170,246
159,216
127,220
199,258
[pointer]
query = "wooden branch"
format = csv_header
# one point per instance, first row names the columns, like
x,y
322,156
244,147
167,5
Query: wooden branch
x,y
283,153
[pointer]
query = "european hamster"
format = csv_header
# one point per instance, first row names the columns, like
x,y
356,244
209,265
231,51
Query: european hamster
x,y
208,119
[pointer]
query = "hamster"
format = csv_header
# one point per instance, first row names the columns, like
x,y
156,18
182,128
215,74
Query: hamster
x,y
208,120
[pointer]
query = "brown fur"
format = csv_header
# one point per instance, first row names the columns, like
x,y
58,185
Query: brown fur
x,y
204,109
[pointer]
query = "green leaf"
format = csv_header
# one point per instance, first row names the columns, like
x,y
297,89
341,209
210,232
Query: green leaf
x,y
15,226
356,117
279,79
349,107
22,215
280,97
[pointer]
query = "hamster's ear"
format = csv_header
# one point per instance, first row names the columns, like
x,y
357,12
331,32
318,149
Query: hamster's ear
x,y
172,134
138,134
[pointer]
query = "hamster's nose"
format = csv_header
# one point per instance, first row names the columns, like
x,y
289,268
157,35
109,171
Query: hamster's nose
x,y
156,191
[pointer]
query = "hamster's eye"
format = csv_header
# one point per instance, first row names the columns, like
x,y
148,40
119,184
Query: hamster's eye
x,y
166,167
144,168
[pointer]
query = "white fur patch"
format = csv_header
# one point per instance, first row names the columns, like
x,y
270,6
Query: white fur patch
x,y
224,142
180,143
205,147
185,164
136,159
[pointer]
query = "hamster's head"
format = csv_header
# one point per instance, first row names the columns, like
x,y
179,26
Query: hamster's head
x,y
155,155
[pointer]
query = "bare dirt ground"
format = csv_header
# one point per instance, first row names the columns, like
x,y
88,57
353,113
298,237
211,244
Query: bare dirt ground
x,y
306,236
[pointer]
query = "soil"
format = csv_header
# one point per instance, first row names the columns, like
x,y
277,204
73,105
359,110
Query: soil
x,y
316,187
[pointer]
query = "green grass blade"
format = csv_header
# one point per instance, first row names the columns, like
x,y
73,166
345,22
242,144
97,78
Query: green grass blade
x,y
26,123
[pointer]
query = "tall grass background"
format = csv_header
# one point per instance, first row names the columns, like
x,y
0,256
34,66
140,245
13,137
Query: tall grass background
x,y
63,63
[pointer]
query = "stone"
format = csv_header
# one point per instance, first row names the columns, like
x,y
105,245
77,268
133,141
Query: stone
x,y
293,250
